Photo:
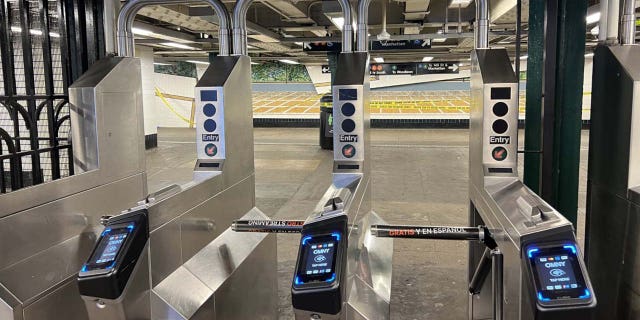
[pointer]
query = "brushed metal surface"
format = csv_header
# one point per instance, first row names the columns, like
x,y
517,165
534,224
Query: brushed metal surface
x,y
134,302
500,200
370,295
227,277
29,232
63,303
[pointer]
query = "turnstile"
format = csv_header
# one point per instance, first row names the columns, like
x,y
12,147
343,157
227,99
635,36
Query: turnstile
x,y
188,254
342,271
613,186
544,276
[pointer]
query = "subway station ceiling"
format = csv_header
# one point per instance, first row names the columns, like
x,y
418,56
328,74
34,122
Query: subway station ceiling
x,y
279,29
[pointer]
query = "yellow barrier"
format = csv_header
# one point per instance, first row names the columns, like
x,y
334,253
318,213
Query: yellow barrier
x,y
164,97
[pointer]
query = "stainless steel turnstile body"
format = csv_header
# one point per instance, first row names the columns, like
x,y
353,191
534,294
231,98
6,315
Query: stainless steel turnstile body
x,y
613,193
514,214
369,259
46,231
193,267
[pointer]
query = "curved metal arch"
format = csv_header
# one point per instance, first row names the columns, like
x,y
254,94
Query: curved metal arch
x,y
130,8
41,107
59,124
58,108
9,110
28,121
7,139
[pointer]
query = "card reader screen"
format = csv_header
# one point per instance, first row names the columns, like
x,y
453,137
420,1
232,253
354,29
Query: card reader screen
x,y
557,273
108,247
348,94
318,259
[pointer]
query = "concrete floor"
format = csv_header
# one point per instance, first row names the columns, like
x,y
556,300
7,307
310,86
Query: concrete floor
x,y
419,177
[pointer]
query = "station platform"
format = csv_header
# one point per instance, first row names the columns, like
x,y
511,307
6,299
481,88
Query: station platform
x,y
292,173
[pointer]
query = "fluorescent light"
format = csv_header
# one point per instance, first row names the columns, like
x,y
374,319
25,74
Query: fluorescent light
x,y
141,32
254,63
35,32
198,62
379,59
439,40
287,61
596,30
589,55
593,18
525,57
338,22
299,43
161,64
460,3
178,45
427,59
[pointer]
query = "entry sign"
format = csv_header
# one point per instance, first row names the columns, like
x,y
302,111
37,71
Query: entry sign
x,y
420,44
438,67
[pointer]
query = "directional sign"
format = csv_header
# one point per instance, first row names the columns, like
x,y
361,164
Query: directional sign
x,y
437,67
322,46
380,45
326,69
393,69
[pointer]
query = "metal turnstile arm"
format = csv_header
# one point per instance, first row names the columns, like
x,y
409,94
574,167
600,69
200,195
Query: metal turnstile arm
x,y
268,226
480,233
491,261
481,273
498,293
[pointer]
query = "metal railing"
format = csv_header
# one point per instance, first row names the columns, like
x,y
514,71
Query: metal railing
x,y
44,47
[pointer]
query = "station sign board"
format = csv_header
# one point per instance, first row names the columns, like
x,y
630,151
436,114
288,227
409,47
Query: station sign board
x,y
414,68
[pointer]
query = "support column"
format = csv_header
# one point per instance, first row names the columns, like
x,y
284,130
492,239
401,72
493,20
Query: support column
x,y
533,121
563,103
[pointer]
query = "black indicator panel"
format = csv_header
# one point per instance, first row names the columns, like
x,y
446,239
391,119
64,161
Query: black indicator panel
x,y
501,93
318,259
558,276
347,94
208,95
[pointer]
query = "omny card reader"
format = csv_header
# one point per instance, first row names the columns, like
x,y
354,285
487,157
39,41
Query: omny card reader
x,y
115,255
558,277
318,285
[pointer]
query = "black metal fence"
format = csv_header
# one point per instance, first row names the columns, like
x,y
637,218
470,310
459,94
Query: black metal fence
x,y
44,46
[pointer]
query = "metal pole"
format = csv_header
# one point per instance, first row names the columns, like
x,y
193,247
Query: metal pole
x,y
610,23
428,232
518,40
498,289
628,30
268,226
482,24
